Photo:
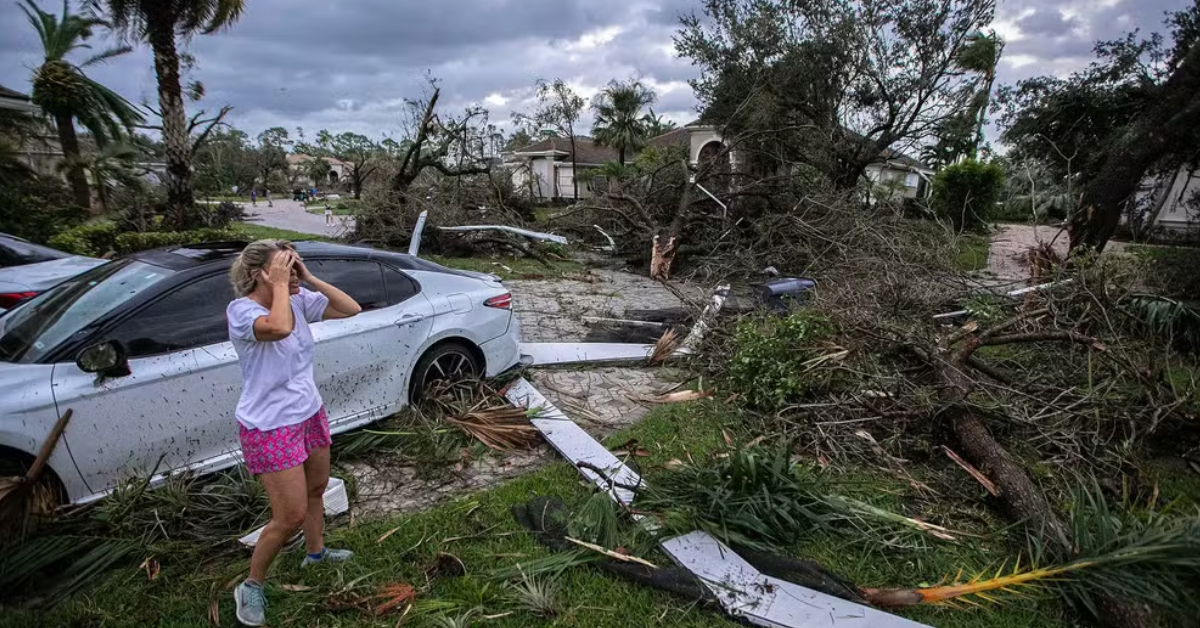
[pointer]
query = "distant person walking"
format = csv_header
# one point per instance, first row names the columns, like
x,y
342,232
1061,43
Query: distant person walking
x,y
254,197
282,424
328,215
269,204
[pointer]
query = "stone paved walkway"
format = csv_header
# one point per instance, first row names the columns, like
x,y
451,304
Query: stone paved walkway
x,y
1008,258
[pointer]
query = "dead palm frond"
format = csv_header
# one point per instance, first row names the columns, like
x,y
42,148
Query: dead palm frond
x,y
665,347
1151,559
500,428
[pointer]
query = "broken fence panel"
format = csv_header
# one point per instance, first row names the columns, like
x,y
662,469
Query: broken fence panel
x,y
549,353
414,243
746,593
574,444
536,235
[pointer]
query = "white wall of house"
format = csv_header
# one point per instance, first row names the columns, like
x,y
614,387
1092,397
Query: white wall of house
x,y
1176,215
909,181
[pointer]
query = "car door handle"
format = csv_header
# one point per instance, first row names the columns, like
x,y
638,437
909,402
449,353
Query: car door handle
x,y
409,319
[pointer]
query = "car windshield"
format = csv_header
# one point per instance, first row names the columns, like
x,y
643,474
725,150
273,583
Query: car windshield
x,y
39,325
15,252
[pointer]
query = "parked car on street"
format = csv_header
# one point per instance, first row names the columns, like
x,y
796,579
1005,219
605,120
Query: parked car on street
x,y
138,349
28,269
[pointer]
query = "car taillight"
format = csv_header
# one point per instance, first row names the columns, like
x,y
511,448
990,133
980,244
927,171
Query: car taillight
x,y
9,299
503,302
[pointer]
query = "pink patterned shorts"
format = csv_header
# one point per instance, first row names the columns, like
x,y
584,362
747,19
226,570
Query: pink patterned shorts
x,y
284,447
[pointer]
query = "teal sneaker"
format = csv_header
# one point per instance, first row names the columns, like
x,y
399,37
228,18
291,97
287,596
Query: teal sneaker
x,y
327,556
251,604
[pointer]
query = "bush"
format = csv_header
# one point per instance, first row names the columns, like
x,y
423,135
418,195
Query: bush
x,y
772,360
133,242
37,208
966,193
93,240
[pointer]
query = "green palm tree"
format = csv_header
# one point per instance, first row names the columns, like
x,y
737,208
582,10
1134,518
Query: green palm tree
x,y
159,23
111,166
980,55
619,120
657,125
66,94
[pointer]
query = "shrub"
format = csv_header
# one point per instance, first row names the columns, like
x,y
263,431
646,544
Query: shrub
x,y
133,242
37,208
966,193
95,239
773,358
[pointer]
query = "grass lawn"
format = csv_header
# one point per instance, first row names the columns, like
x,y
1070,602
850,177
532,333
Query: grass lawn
x,y
318,208
481,532
972,252
260,232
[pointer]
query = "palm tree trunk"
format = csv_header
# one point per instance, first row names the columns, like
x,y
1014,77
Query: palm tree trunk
x,y
180,196
621,156
70,148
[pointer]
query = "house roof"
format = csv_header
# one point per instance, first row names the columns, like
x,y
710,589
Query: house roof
x,y
674,137
899,157
301,158
586,150
15,95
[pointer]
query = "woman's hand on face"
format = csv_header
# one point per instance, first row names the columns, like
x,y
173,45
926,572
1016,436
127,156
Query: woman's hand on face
x,y
302,270
279,271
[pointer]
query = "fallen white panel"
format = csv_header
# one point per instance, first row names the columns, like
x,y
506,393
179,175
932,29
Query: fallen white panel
x,y
573,443
765,601
536,235
707,318
414,243
336,502
545,353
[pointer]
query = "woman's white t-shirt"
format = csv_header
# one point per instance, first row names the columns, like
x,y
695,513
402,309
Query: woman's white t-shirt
x,y
278,388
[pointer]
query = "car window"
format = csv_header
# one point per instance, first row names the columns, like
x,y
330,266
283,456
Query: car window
x,y
18,253
42,323
361,279
400,287
191,316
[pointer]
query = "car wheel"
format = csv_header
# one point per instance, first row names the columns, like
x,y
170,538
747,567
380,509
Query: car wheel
x,y
449,362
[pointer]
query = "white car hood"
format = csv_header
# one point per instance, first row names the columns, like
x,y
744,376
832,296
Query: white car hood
x,y
44,275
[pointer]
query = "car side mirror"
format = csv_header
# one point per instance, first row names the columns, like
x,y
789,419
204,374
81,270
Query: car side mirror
x,y
106,359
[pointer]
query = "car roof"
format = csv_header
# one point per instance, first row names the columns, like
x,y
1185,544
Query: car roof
x,y
189,256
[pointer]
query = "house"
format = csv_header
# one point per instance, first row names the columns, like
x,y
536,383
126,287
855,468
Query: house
x,y
298,170
544,168
1173,204
41,152
547,170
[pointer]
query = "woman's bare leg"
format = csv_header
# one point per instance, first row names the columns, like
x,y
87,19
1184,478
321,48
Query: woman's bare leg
x,y
316,473
288,493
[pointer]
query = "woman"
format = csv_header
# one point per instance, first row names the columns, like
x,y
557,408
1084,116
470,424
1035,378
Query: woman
x,y
282,424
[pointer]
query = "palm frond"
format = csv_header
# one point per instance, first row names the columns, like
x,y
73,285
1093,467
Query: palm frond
x,y
665,347
502,428
111,53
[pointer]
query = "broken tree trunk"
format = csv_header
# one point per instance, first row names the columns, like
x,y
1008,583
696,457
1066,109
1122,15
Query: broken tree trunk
x,y
1022,499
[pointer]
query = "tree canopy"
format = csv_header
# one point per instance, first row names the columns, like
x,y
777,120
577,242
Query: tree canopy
x,y
831,84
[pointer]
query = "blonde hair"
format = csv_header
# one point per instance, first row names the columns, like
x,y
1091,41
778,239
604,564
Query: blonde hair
x,y
253,259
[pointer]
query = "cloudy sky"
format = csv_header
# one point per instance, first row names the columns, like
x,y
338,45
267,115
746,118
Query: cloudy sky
x,y
347,66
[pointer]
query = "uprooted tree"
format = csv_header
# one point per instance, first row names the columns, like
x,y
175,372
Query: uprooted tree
x,y
832,85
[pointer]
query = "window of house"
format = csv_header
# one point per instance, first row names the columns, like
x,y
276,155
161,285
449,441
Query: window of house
x,y
361,279
191,316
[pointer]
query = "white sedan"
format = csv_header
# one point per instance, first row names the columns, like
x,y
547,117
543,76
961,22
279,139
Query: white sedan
x,y
138,350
